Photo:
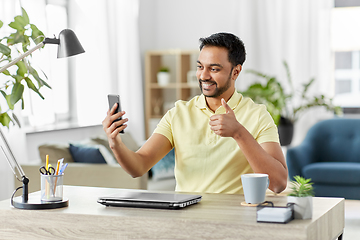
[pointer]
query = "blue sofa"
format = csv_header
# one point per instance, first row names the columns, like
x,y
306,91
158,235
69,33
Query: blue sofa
x,y
330,156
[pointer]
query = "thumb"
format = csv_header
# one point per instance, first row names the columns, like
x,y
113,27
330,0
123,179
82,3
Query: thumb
x,y
226,106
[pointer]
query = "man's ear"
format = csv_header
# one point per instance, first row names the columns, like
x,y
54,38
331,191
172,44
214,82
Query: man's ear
x,y
236,71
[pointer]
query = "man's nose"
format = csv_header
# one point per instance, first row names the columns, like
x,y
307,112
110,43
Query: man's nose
x,y
205,75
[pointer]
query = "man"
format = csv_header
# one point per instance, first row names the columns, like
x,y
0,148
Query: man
x,y
217,136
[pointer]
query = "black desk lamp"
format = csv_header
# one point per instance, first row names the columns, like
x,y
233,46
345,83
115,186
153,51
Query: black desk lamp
x,y
69,45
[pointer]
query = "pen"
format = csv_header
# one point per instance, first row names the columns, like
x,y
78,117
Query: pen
x,y
47,162
61,163
63,169
57,172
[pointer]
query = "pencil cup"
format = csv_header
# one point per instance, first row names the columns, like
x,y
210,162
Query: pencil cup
x,y
52,188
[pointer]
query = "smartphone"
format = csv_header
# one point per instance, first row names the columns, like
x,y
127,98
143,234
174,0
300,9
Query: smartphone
x,y
112,100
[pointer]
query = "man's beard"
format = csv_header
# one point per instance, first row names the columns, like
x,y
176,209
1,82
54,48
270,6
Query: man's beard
x,y
218,91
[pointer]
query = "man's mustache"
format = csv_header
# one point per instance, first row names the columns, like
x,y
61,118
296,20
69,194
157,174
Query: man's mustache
x,y
207,81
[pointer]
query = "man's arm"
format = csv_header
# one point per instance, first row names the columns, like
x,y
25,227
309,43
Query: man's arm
x,y
135,163
263,158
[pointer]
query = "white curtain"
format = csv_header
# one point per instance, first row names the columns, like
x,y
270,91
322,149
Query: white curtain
x,y
108,31
295,31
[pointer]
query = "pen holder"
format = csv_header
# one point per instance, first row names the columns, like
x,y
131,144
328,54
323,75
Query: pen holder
x,y
52,188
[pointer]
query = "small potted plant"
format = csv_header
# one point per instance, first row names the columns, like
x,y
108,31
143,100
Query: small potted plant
x,y
301,194
163,76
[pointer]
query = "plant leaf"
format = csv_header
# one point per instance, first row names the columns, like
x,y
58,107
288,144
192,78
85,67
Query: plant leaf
x,y
15,38
1,24
5,119
36,35
16,120
41,82
16,25
22,70
5,49
6,72
16,93
32,86
25,16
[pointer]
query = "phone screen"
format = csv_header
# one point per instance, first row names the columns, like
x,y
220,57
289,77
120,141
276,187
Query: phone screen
x,y
112,100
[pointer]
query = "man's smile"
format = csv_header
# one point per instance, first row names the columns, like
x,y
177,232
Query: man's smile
x,y
207,84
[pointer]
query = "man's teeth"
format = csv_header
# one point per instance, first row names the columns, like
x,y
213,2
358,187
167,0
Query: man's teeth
x,y
205,85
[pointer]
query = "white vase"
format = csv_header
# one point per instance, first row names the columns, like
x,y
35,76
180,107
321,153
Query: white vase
x,y
163,78
303,207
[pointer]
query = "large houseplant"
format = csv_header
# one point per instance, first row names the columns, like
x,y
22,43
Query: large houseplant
x,y
14,79
284,107
301,194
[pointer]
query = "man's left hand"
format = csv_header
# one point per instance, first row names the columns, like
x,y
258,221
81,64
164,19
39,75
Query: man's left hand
x,y
225,125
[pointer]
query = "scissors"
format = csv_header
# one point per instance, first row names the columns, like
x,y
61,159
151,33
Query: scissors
x,y
50,171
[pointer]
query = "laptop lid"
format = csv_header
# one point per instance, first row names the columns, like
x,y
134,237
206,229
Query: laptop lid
x,y
132,198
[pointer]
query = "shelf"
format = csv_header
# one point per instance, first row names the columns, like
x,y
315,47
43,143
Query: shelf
x,y
158,98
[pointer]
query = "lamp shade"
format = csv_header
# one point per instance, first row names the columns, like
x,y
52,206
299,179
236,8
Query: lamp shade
x,y
69,44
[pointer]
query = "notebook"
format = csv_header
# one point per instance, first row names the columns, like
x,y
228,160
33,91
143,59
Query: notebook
x,y
132,198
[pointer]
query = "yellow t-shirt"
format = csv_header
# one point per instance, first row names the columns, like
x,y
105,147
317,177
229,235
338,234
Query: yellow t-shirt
x,y
204,161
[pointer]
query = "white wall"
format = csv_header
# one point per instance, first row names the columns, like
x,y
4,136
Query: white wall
x,y
168,24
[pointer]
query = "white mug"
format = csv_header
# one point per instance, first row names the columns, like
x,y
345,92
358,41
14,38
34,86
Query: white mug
x,y
255,185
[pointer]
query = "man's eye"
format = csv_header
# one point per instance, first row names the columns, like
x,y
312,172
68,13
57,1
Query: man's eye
x,y
214,69
199,67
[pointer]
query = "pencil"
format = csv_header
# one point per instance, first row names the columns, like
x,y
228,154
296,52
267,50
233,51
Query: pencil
x,y
57,173
47,162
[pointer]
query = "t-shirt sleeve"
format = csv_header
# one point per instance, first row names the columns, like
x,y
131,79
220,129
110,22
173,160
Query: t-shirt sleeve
x,y
267,131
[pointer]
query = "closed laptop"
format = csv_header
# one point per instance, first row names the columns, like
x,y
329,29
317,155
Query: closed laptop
x,y
146,199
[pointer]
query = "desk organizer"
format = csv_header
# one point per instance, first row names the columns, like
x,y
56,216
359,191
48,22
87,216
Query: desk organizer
x,y
268,213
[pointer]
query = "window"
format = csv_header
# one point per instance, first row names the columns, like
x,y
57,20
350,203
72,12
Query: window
x,y
346,48
55,107
347,73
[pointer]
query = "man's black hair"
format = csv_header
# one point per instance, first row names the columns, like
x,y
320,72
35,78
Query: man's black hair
x,y
229,41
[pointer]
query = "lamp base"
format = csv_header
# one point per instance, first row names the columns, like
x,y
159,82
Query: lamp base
x,y
35,203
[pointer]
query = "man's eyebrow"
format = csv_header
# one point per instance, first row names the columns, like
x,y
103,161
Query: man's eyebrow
x,y
212,64
216,65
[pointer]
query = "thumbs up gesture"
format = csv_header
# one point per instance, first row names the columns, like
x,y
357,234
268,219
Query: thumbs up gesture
x,y
224,125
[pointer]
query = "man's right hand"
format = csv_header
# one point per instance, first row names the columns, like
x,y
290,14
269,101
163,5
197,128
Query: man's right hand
x,y
112,128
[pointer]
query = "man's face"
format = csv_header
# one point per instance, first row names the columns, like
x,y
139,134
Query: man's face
x,y
214,71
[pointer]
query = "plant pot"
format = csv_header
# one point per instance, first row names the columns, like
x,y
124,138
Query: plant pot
x,y
163,78
303,207
286,131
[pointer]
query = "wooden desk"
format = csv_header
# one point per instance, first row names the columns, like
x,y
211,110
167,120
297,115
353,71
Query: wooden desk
x,y
217,216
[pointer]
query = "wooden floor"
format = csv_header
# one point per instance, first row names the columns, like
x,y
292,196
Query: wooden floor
x,y
352,209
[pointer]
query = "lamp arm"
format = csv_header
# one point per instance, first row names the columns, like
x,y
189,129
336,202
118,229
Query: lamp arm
x,y
40,45
24,179
13,162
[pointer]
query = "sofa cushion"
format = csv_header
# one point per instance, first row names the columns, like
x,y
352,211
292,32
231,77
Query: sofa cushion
x,y
55,152
165,167
86,154
337,173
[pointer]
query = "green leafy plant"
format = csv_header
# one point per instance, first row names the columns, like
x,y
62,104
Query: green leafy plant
x,y
22,74
164,69
301,187
282,104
